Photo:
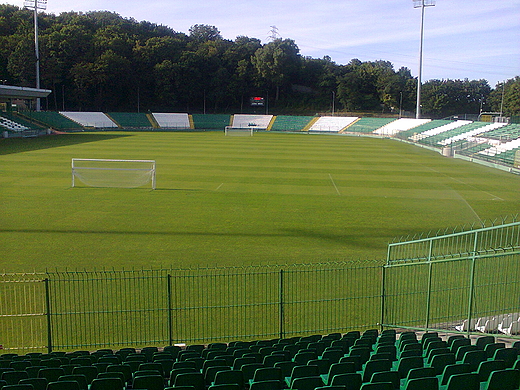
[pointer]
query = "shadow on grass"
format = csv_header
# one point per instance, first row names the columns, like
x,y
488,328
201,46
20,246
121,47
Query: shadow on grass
x,y
19,145
350,239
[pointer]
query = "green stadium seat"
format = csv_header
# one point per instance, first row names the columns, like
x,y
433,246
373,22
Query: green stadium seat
x,y
51,373
195,379
25,386
387,376
306,383
453,369
467,381
64,385
36,383
485,368
508,379
116,384
81,379
378,386
508,355
267,374
424,383
226,386
352,380
230,376
90,372
13,377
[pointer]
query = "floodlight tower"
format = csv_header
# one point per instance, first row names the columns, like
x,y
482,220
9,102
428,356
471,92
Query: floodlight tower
x,y
36,5
421,4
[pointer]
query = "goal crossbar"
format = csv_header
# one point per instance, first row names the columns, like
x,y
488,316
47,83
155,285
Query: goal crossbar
x,y
247,131
133,173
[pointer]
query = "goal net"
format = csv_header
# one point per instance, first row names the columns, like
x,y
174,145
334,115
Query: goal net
x,y
113,173
239,131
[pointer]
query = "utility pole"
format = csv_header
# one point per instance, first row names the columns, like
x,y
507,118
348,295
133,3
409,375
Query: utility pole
x,y
36,5
421,4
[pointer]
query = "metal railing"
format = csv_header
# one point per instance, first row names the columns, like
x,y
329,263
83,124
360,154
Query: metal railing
x,y
448,282
90,310
451,281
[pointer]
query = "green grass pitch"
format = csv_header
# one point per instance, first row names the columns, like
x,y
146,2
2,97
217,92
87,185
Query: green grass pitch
x,y
225,201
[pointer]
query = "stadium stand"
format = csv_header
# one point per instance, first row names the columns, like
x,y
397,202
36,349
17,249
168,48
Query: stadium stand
x,y
290,123
439,130
53,120
504,132
11,125
21,120
399,125
501,148
172,120
244,121
486,360
130,120
332,124
367,125
97,120
424,127
211,121
467,131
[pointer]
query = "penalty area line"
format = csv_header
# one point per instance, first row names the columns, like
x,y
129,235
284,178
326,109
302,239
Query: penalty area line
x,y
334,184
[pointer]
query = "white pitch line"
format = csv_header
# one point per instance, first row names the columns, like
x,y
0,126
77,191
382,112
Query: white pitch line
x,y
334,184
221,184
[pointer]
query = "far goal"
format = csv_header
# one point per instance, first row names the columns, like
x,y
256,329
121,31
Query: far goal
x,y
94,172
239,131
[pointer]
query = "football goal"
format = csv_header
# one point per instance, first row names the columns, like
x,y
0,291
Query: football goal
x,y
239,131
113,173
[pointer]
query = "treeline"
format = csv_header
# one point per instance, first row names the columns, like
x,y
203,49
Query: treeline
x,y
100,61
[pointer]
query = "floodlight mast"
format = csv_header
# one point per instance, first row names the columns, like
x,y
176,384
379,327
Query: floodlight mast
x,y
421,4
36,5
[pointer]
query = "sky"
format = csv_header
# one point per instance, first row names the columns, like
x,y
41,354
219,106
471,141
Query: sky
x,y
472,39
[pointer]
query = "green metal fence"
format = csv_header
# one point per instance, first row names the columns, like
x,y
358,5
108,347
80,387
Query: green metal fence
x,y
462,282
91,310
454,282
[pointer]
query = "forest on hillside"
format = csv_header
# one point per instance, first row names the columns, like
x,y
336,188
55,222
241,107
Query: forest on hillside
x,y
100,61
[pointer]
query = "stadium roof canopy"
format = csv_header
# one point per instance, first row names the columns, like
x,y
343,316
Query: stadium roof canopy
x,y
7,91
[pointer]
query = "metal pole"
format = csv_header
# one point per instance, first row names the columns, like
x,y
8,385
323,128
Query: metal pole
x,y
422,5
472,283
48,315
37,53
170,317
281,306
429,291
383,292
419,77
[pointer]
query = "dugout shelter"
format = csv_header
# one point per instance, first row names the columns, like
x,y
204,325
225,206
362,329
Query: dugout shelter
x,y
9,95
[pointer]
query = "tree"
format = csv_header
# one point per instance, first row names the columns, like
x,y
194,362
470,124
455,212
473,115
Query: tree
x,y
443,98
277,62
204,32
505,97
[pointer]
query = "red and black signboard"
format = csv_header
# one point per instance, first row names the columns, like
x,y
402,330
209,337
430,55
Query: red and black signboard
x,y
257,101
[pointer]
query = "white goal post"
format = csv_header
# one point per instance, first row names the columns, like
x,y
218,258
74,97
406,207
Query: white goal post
x,y
98,172
240,131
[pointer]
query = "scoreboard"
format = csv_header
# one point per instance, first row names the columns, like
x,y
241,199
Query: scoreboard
x,y
257,101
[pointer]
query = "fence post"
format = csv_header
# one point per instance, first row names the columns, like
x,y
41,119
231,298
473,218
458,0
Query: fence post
x,y
281,305
170,319
429,291
472,282
48,315
383,277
